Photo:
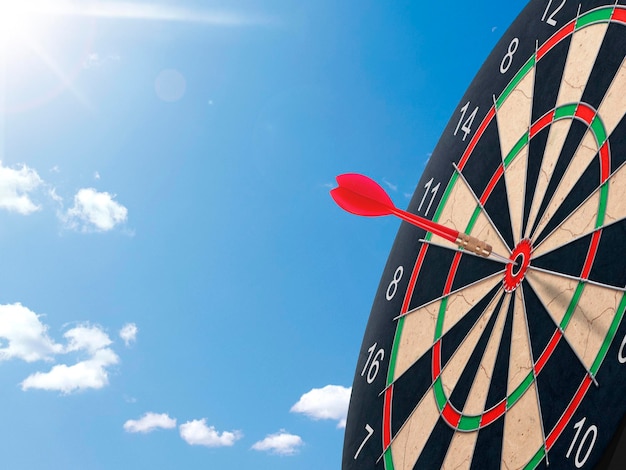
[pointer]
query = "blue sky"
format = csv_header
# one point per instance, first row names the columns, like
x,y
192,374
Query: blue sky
x,y
178,288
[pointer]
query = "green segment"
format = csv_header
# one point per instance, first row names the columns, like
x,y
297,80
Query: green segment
x,y
394,351
596,16
520,390
469,423
604,199
445,196
516,150
440,318
539,456
572,306
565,111
518,78
388,459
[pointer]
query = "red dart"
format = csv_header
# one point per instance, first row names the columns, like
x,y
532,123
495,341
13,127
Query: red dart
x,y
361,195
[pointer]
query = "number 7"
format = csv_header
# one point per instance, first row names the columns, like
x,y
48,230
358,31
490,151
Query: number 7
x,y
370,432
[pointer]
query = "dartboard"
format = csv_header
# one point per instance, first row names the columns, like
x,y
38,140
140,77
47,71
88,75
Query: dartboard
x,y
516,358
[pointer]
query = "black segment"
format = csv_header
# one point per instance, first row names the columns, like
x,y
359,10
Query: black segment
x,y
488,453
478,170
500,375
541,327
566,260
472,269
436,448
562,372
409,389
605,270
432,280
588,184
453,338
462,389
577,131
607,66
497,206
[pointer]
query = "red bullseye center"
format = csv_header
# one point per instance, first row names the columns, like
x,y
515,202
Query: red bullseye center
x,y
515,272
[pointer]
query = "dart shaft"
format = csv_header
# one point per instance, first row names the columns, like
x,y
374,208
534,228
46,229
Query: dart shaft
x,y
464,241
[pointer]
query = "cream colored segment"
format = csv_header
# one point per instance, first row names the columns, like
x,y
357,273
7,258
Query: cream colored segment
x,y
475,404
591,321
418,335
485,231
460,303
515,114
458,210
556,139
523,432
418,332
461,448
454,368
515,175
581,58
555,292
460,451
613,105
582,221
587,151
520,358
409,443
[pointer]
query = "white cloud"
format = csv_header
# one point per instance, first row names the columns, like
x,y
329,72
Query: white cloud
x,y
94,210
27,337
150,422
94,60
86,338
129,333
393,187
89,374
197,432
23,336
15,188
330,402
281,443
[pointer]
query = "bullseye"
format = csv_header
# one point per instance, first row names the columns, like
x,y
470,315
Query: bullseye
x,y
516,271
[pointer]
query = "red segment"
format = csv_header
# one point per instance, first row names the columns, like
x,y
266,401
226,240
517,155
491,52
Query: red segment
x,y
492,184
556,38
451,416
558,429
586,113
470,148
436,360
619,15
548,351
515,273
591,255
453,268
387,418
416,270
605,161
541,124
493,414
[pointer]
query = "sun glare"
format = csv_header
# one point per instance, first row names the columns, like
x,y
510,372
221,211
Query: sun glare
x,y
19,23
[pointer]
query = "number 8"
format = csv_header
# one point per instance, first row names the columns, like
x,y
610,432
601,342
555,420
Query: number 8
x,y
393,286
508,58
